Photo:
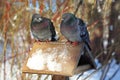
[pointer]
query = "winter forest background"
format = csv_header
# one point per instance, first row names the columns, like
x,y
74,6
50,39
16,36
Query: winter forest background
x,y
103,23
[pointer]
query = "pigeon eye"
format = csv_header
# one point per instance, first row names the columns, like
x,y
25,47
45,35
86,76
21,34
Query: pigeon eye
x,y
39,19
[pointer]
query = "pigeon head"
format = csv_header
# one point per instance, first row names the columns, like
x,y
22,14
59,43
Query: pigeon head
x,y
36,21
36,18
68,18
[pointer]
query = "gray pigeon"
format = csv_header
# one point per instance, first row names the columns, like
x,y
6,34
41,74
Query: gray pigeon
x,y
74,29
42,28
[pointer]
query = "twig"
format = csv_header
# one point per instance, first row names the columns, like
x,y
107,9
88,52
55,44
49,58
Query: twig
x,y
46,77
106,69
94,72
80,3
16,55
4,52
79,75
39,76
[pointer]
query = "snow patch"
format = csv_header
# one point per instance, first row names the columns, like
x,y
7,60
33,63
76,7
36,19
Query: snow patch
x,y
39,61
118,17
15,17
54,66
36,61
97,75
99,9
105,43
112,41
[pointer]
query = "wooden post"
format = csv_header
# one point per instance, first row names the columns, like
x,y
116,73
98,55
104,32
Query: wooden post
x,y
23,76
57,77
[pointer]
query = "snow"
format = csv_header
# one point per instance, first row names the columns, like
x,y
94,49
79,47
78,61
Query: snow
x,y
53,65
105,44
44,76
15,17
39,61
9,76
36,61
117,76
118,17
99,9
97,75
112,41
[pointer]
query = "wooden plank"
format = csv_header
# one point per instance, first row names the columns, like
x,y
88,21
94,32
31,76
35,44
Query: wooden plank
x,y
57,58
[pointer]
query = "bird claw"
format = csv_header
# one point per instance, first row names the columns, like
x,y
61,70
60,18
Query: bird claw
x,y
75,43
36,41
47,41
33,40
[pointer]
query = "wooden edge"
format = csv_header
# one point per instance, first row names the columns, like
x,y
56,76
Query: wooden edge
x,y
81,51
45,72
91,57
82,68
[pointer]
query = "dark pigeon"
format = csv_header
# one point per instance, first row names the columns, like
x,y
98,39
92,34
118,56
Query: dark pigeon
x,y
74,29
42,28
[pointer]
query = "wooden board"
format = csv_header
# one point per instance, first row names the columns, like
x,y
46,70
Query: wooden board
x,y
57,58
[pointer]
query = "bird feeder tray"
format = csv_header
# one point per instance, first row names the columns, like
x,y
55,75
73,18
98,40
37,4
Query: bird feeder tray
x,y
56,58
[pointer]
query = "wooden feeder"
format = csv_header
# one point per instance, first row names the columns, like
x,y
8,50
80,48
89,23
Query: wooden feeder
x,y
58,58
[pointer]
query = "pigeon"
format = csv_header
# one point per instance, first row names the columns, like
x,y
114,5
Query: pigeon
x,y
74,29
42,28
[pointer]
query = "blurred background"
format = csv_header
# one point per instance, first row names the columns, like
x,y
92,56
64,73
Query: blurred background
x,y
101,16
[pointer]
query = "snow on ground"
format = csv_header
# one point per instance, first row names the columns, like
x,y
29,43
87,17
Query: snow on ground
x,y
117,76
10,75
97,75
